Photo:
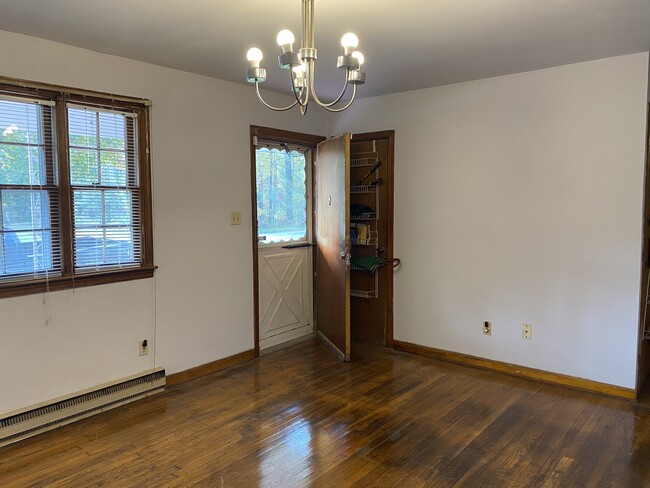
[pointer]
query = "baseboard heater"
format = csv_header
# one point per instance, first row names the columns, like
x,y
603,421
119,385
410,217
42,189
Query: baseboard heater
x,y
15,427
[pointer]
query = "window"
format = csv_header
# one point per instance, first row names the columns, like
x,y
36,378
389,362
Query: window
x,y
282,189
29,240
75,195
104,181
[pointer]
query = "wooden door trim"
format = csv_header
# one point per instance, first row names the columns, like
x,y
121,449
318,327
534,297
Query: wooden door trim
x,y
643,346
389,167
279,135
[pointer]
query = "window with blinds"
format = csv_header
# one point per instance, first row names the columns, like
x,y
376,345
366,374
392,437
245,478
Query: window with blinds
x,y
29,194
75,188
105,190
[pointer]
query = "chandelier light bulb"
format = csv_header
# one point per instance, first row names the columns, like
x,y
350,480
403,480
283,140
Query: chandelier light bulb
x,y
254,55
349,41
300,70
359,56
285,39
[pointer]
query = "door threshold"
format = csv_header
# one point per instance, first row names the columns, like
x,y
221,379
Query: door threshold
x,y
291,342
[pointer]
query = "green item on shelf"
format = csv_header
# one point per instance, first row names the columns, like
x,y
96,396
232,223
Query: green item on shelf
x,y
370,263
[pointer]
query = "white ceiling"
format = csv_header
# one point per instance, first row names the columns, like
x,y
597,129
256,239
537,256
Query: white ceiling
x,y
408,44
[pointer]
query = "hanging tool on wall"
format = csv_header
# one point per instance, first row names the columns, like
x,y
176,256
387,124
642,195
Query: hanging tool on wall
x,y
370,172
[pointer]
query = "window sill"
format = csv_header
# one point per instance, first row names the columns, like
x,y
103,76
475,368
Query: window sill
x,y
60,283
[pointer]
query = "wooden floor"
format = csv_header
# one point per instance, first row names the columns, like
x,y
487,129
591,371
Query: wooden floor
x,y
298,417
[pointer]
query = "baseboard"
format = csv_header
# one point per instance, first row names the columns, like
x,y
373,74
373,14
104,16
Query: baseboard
x,y
36,419
212,367
521,371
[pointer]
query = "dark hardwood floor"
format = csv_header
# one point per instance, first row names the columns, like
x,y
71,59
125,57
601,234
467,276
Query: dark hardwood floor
x,y
299,417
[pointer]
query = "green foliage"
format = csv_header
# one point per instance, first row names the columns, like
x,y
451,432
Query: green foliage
x,y
281,192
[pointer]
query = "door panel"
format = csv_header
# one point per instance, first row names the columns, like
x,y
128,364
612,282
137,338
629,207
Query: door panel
x,y
284,271
285,294
332,175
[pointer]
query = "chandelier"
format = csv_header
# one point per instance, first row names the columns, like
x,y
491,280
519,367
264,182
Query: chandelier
x,y
301,66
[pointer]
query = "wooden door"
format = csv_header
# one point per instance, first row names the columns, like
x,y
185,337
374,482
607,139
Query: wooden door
x,y
332,280
285,289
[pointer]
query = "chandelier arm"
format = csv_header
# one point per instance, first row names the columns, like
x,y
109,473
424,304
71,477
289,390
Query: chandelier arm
x,y
345,88
312,77
299,100
341,109
280,109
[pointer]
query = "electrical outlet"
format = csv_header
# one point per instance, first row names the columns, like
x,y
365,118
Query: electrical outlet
x,y
144,347
235,218
487,328
527,331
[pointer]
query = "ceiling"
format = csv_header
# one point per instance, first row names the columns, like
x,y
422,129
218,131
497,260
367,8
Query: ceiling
x,y
408,45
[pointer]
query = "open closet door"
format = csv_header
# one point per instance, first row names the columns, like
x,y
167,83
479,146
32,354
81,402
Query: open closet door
x,y
332,280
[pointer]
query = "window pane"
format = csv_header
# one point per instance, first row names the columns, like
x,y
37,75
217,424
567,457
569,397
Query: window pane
x,y
27,252
113,168
118,207
101,239
119,245
25,232
98,148
22,158
20,122
102,247
84,167
112,129
88,208
24,210
281,195
82,128
89,247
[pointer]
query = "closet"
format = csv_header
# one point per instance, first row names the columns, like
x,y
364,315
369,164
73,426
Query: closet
x,y
354,262
371,236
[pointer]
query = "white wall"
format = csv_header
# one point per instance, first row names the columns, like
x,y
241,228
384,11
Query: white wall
x,y
518,200
200,302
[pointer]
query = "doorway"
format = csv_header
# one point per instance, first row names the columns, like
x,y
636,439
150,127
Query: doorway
x,y
281,175
339,247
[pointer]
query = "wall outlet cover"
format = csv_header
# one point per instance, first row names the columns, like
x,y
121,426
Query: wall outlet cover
x,y
487,327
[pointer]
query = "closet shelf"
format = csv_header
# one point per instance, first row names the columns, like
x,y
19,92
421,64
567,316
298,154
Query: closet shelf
x,y
363,294
363,189
365,216
360,162
369,243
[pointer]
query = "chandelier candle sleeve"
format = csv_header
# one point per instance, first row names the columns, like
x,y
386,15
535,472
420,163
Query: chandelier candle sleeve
x,y
302,64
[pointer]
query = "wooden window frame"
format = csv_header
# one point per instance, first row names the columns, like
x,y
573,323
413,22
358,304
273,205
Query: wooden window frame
x,y
68,279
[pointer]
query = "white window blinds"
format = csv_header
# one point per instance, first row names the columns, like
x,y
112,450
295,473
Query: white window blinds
x,y
30,244
104,181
